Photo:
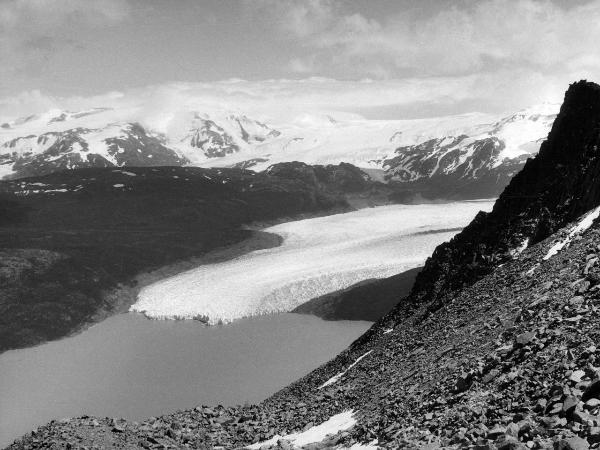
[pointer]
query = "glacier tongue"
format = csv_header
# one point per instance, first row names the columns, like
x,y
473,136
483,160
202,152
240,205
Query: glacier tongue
x,y
317,256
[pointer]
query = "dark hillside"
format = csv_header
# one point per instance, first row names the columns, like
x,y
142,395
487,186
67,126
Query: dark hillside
x,y
367,300
68,238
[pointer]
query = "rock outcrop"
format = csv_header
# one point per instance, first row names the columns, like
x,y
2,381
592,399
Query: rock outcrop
x,y
553,188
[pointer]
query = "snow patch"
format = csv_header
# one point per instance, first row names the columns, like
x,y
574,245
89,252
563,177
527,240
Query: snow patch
x,y
586,222
129,174
520,249
335,424
532,270
336,378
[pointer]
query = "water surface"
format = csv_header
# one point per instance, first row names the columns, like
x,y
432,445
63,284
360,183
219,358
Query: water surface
x,y
128,366
132,367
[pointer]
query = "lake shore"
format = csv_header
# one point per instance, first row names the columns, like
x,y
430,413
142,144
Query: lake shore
x,y
125,295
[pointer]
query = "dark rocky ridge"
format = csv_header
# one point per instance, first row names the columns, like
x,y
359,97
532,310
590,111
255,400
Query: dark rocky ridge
x,y
552,189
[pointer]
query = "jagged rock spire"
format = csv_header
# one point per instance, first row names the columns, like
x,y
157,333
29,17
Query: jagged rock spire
x,y
555,187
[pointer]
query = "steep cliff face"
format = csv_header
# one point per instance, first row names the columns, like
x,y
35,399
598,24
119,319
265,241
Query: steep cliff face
x,y
554,188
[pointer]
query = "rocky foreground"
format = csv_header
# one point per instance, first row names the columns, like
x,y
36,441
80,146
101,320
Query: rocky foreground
x,y
496,347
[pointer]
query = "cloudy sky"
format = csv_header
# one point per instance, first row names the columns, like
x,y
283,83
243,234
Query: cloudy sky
x,y
379,58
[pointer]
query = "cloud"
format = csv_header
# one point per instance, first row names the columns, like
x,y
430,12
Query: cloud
x,y
45,15
282,99
475,37
492,55
300,18
33,30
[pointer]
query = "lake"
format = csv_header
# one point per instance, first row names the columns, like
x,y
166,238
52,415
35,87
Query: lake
x,y
129,366
132,367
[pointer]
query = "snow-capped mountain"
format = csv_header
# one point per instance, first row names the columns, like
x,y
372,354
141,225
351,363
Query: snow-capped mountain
x,y
452,149
500,148
38,145
227,137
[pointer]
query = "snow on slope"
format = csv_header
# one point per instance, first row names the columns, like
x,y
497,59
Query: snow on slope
x,y
316,139
317,256
339,422
584,223
338,376
57,140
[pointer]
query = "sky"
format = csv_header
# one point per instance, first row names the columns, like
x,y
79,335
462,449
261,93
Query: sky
x,y
377,58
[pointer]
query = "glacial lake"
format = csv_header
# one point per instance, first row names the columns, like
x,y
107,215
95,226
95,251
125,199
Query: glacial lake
x,y
129,366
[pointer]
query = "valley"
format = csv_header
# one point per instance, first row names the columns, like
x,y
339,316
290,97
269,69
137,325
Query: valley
x,y
119,367
70,239
299,225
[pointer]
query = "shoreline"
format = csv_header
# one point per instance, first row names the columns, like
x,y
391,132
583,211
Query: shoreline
x,y
125,294
121,297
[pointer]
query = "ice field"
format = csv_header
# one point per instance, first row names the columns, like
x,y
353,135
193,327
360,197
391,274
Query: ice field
x,y
317,256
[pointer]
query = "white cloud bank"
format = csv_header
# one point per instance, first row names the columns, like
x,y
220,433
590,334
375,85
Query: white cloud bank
x,y
488,55
283,99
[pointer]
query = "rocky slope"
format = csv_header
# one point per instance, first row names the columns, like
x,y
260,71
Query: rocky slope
x,y
67,239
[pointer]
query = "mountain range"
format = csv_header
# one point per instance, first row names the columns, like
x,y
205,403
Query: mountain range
x,y
495,346
462,156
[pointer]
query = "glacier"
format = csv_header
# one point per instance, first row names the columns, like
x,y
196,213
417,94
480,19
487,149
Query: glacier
x,y
317,256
